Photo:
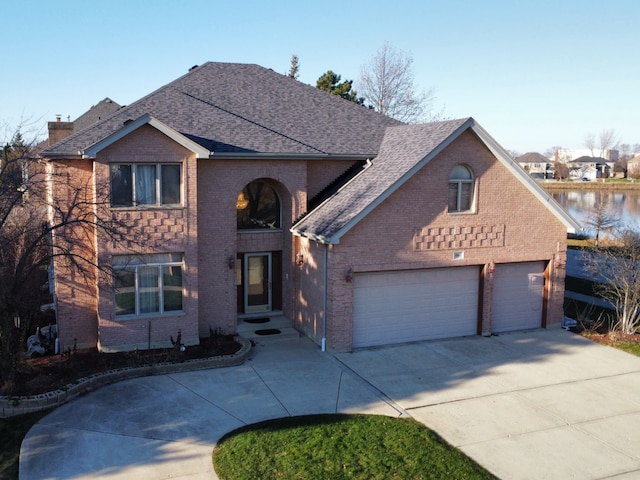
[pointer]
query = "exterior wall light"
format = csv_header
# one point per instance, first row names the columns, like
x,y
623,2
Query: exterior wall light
x,y
231,261
349,276
491,267
557,261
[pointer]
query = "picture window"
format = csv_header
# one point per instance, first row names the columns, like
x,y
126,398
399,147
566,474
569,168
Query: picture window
x,y
146,184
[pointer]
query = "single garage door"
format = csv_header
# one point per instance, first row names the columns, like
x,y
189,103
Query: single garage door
x,y
404,306
518,292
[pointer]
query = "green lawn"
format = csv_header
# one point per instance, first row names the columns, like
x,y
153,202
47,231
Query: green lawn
x,y
366,447
12,431
633,348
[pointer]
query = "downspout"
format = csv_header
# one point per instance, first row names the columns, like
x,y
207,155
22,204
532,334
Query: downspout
x,y
324,299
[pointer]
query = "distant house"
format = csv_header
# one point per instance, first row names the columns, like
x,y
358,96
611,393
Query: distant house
x,y
536,165
633,167
60,129
589,168
611,155
251,196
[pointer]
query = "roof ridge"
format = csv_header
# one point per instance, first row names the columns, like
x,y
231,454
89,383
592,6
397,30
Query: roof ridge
x,y
211,104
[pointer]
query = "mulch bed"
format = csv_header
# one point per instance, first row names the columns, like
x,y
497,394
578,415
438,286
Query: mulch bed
x,y
612,338
43,374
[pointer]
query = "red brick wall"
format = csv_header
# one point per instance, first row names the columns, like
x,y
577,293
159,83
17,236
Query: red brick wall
x,y
309,311
151,230
75,288
220,183
322,172
386,238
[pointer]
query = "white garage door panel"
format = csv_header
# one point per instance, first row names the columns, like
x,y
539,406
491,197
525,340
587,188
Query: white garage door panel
x,y
395,307
518,292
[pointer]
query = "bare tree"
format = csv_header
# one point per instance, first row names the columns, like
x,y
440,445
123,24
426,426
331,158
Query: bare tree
x,y
590,143
387,85
607,140
30,218
560,170
617,273
625,151
601,217
551,153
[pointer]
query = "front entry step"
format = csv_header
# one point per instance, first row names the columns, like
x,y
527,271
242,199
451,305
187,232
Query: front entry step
x,y
267,329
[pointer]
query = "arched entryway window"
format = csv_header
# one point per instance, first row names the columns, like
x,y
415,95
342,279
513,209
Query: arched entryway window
x,y
258,207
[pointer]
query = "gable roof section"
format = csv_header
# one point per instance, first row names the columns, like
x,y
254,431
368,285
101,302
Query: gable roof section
x,y
405,150
189,144
241,109
532,157
97,112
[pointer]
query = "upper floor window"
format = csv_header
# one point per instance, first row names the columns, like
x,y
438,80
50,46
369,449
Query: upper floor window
x,y
148,284
145,184
460,189
258,207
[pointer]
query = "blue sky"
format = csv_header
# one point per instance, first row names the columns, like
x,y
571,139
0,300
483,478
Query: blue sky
x,y
533,74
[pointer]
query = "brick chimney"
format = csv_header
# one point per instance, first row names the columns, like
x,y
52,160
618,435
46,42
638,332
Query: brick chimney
x,y
59,130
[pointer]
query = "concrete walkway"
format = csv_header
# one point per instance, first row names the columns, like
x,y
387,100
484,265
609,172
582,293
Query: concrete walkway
x,y
544,404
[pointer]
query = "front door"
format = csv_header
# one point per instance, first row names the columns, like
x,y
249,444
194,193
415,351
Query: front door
x,y
257,285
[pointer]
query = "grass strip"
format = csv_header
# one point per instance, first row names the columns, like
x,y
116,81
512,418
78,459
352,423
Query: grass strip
x,y
367,447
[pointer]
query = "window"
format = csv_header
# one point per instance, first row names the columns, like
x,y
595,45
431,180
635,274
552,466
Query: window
x,y
258,207
148,284
460,189
141,184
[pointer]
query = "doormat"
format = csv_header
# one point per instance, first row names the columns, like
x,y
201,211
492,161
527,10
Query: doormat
x,y
268,331
256,320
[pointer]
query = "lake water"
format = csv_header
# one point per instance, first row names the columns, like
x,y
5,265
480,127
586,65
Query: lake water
x,y
581,204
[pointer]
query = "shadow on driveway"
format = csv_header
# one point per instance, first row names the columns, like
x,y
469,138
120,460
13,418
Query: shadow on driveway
x,y
542,404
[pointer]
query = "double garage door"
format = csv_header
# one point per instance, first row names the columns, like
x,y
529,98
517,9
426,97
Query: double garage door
x,y
404,306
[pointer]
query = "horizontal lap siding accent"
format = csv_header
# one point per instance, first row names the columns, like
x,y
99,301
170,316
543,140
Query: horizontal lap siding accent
x,y
517,296
403,306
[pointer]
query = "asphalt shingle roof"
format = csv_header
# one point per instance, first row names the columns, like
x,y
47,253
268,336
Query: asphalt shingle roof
x,y
403,149
244,108
232,108
96,113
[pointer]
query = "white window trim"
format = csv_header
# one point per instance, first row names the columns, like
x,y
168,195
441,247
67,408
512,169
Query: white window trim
x,y
158,186
136,262
464,181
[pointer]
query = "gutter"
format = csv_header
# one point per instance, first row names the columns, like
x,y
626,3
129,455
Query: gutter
x,y
288,156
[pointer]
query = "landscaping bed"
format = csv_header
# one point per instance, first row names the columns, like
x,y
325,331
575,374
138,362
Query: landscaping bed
x,y
84,371
629,342
44,374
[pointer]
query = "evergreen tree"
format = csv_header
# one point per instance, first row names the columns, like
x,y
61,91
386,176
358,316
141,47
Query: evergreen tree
x,y
330,82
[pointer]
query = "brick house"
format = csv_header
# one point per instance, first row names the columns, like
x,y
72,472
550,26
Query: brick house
x,y
243,193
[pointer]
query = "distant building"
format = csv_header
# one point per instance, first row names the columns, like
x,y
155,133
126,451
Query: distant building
x,y
60,130
536,165
633,167
589,168
568,154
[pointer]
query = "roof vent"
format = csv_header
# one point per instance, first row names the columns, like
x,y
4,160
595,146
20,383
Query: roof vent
x,y
194,67
127,121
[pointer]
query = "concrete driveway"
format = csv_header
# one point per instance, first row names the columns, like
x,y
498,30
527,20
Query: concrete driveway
x,y
543,404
